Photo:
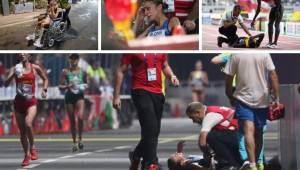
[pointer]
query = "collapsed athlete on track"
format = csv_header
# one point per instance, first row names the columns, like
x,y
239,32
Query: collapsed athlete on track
x,y
249,42
74,81
275,18
25,103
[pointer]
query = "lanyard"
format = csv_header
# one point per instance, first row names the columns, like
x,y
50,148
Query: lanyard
x,y
146,60
147,65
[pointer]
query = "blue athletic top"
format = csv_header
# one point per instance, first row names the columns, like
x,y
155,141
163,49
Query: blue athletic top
x,y
163,31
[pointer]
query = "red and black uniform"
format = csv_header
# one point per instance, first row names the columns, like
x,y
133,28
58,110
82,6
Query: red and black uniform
x,y
25,85
228,115
223,139
149,100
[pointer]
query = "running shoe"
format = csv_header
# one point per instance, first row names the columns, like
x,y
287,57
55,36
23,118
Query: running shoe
x,y
30,37
80,145
273,45
134,163
75,147
26,160
245,165
38,44
260,166
269,45
34,154
153,167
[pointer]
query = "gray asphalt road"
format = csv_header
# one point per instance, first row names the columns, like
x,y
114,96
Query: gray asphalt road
x,y
83,34
108,149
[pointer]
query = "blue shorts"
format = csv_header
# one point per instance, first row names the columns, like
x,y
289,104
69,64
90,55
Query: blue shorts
x,y
256,115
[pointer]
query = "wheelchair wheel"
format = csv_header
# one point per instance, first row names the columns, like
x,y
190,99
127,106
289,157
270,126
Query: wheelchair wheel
x,y
51,42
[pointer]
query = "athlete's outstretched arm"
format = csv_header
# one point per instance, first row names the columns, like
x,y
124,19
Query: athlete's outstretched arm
x,y
11,75
256,12
119,76
245,29
169,73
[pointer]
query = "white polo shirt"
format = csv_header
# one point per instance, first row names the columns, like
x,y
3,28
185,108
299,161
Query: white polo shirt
x,y
228,17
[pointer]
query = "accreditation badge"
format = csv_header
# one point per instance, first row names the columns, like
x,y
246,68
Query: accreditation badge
x,y
151,74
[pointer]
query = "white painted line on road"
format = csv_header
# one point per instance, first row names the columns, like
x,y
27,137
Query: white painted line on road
x,y
31,165
68,156
84,153
49,160
166,141
21,169
103,150
122,147
190,137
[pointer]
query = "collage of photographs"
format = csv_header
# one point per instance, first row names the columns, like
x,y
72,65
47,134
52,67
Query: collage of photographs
x,y
149,84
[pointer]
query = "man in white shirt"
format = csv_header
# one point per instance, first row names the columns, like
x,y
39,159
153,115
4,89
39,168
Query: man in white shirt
x,y
228,26
251,97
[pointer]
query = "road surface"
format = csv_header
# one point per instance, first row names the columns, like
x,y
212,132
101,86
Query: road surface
x,y
108,149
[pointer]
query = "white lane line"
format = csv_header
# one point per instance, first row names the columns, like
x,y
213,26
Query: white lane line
x,y
21,169
68,156
122,147
167,141
103,150
49,160
84,153
31,166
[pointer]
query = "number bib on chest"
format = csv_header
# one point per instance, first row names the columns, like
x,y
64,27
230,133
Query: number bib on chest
x,y
151,74
25,89
158,33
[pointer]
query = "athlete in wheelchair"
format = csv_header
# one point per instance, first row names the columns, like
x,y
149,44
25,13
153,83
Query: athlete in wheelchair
x,y
50,27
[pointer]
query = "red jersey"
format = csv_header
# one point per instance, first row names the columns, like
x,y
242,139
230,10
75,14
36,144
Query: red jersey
x,y
26,85
227,114
146,70
182,9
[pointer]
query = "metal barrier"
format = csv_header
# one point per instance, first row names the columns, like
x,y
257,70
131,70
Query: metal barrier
x,y
289,129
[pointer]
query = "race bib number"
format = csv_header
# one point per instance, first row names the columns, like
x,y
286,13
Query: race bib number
x,y
171,5
25,89
151,72
158,33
